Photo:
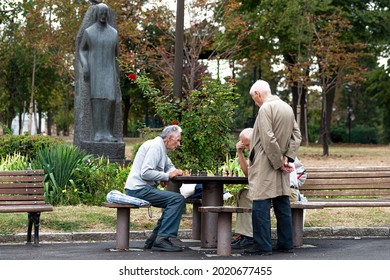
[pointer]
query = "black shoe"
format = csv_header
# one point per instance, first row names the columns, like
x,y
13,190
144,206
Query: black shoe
x,y
164,244
285,250
149,242
257,252
244,242
236,240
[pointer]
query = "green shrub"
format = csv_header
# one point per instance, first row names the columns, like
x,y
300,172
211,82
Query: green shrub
x,y
364,135
339,135
97,178
14,162
26,145
206,117
59,163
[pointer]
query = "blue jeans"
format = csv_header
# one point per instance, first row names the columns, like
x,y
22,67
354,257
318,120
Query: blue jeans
x,y
261,220
173,204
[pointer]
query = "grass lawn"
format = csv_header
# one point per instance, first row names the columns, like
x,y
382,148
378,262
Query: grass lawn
x,y
101,219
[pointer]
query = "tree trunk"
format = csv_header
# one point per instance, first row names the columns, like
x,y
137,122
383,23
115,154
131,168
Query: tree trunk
x,y
326,119
299,107
49,122
31,109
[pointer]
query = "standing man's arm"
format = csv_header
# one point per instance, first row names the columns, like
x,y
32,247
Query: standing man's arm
x,y
295,142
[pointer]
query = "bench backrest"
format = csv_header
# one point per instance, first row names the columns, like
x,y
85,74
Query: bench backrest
x,y
347,182
25,187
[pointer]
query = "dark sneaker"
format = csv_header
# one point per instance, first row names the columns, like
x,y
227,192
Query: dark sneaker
x,y
236,240
257,252
285,250
164,244
149,242
244,242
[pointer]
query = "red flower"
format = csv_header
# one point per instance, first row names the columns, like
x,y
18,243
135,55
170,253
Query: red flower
x,y
132,77
175,123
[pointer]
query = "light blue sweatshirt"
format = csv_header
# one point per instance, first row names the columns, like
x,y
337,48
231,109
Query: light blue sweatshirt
x,y
151,165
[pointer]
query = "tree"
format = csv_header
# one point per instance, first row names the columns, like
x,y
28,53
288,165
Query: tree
x,y
337,63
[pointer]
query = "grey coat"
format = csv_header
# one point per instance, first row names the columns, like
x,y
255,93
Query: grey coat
x,y
275,135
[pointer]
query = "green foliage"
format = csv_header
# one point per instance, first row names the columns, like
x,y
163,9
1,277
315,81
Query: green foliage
x,y
339,135
59,163
14,162
206,117
359,135
26,145
364,135
97,178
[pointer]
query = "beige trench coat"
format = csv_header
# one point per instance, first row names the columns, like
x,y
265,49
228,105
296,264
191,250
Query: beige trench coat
x,y
275,135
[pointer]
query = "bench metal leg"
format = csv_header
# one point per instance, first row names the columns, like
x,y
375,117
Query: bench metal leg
x,y
297,224
224,247
33,219
122,228
196,221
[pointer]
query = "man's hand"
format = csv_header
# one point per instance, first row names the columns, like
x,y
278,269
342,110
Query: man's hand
x,y
174,173
240,147
286,167
164,183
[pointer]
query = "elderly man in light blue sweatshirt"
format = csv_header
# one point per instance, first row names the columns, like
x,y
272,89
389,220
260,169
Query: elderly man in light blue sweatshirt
x,y
153,167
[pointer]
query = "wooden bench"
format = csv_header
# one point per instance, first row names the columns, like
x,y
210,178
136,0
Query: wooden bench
x,y
224,225
23,191
122,235
327,187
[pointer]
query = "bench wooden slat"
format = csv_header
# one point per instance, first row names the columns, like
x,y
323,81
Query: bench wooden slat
x,y
22,202
22,198
19,178
334,169
329,182
330,174
23,191
25,208
346,193
21,185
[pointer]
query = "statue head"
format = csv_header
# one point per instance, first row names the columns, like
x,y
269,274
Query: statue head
x,y
102,13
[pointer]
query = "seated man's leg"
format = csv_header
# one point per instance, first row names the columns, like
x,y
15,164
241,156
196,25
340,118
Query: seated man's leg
x,y
173,204
293,195
244,222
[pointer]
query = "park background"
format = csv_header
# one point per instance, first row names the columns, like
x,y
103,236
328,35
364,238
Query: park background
x,y
325,58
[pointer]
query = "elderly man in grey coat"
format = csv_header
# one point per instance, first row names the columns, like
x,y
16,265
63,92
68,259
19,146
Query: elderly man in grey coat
x,y
274,145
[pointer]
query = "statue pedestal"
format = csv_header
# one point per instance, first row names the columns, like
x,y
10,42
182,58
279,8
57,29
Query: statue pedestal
x,y
114,151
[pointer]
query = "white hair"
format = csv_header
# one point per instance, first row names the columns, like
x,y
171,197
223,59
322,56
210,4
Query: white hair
x,y
247,133
260,86
171,129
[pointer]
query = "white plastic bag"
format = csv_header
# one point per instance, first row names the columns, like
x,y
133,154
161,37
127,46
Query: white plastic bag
x,y
187,189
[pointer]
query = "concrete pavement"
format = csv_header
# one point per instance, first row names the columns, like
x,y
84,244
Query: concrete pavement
x,y
319,244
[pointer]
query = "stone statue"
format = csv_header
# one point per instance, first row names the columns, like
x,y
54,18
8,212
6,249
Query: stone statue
x,y
98,100
98,51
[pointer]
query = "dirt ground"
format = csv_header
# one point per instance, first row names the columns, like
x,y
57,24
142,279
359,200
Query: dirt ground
x,y
346,155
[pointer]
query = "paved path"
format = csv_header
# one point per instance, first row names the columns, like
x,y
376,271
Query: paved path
x,y
313,249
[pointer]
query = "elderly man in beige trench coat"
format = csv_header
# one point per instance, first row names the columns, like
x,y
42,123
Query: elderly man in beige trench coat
x,y
275,141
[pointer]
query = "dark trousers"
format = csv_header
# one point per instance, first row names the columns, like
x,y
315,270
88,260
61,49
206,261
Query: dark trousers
x,y
173,204
261,220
